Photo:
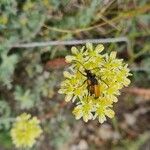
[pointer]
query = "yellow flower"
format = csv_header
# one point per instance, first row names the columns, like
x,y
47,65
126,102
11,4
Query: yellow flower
x,y
25,131
73,87
103,110
110,73
77,55
84,110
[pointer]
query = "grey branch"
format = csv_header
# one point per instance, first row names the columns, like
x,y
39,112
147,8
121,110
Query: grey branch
x,y
71,42
136,69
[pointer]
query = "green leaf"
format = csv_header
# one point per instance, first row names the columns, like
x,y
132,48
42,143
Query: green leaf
x,y
7,68
25,98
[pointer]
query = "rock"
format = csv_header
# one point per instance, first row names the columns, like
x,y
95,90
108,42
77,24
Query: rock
x,y
82,145
130,119
106,133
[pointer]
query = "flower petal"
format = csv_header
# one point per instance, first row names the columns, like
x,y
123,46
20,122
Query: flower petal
x,y
68,97
113,55
67,74
101,118
74,50
69,58
99,48
110,113
89,46
77,112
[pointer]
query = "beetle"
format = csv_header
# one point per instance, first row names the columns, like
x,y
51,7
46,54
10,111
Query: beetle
x,y
93,85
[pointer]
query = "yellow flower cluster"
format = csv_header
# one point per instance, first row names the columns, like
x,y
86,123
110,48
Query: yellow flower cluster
x,y
25,130
110,72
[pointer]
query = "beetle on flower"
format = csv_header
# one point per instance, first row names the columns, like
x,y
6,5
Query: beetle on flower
x,y
93,81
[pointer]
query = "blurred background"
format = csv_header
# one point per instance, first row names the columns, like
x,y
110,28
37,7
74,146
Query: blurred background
x,y
31,73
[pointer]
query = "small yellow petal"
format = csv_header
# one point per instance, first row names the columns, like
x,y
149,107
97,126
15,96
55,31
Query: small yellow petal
x,y
89,46
61,91
86,118
74,50
67,74
127,82
77,112
110,113
68,97
113,55
101,118
99,48
69,58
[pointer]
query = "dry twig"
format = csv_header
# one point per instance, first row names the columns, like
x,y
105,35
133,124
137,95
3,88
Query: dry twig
x,y
71,42
145,93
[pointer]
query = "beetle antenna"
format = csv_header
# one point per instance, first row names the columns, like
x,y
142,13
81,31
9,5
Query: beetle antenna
x,y
79,63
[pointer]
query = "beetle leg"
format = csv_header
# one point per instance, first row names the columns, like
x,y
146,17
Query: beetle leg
x,y
82,83
82,73
103,81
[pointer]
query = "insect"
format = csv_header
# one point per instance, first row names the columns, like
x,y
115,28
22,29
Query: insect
x,y
93,85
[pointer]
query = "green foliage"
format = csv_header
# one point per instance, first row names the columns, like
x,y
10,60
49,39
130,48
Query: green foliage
x,y
62,135
146,65
5,139
5,113
81,18
45,84
7,68
20,24
133,144
25,98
